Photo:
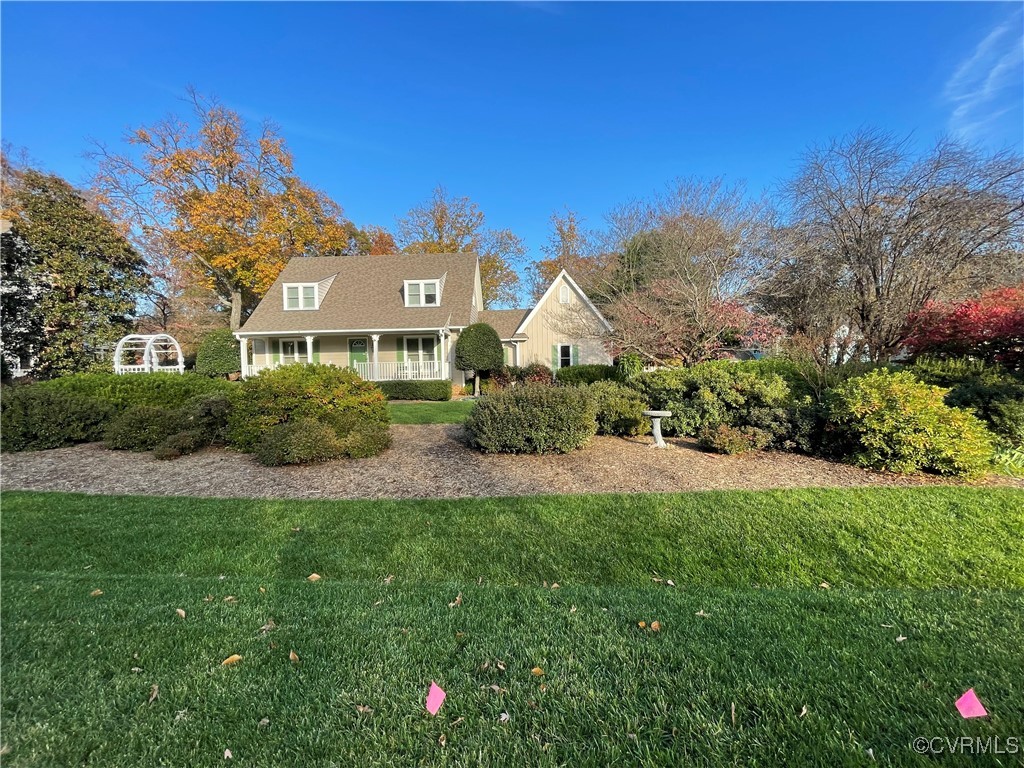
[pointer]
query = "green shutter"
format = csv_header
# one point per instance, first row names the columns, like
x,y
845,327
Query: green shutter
x,y
554,357
275,348
575,355
400,349
316,350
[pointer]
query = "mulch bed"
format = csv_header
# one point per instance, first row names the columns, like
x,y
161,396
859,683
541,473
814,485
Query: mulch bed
x,y
431,461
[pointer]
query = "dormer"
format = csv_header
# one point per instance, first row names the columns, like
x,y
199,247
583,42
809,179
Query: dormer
x,y
423,293
300,296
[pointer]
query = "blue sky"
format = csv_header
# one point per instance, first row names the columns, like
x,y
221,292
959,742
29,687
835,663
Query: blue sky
x,y
524,107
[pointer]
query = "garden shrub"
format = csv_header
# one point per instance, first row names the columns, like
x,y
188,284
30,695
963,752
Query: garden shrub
x,y
166,390
891,421
219,354
619,409
532,419
719,392
732,440
141,428
416,390
301,441
511,375
364,443
535,373
479,349
325,393
34,418
208,415
585,374
181,444
628,366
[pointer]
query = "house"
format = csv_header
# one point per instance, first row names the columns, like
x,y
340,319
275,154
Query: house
x,y
399,316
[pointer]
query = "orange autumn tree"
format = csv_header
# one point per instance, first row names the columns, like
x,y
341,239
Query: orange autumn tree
x,y
219,200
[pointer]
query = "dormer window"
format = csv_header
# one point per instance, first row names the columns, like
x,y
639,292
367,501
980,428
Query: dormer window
x,y
422,293
563,294
301,296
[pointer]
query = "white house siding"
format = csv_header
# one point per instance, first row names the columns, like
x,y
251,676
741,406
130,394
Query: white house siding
x,y
555,323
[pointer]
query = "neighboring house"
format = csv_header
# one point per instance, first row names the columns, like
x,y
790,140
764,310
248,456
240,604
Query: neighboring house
x,y
398,317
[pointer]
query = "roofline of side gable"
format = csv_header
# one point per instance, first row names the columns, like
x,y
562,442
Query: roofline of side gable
x,y
547,293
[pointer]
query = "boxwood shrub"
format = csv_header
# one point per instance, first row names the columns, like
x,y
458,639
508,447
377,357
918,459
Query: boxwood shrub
x,y
219,354
619,409
302,441
141,428
328,394
532,418
416,390
165,390
35,418
892,421
585,374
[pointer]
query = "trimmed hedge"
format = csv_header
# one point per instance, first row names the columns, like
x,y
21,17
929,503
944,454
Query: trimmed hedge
x,y
533,418
302,441
219,354
619,409
585,374
334,396
892,421
416,390
181,444
165,390
141,428
478,349
35,418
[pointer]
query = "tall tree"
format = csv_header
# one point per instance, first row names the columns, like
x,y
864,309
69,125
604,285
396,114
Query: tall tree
x,y
221,200
570,247
81,275
449,224
369,241
877,232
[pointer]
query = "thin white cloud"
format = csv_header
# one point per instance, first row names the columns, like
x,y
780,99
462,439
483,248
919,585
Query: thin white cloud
x,y
990,82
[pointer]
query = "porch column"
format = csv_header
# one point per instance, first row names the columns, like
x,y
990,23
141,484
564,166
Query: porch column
x,y
244,342
309,350
375,337
441,355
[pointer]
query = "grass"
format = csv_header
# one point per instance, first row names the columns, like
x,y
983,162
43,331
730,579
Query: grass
x,y
943,567
447,412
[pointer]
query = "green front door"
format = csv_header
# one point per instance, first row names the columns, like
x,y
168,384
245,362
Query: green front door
x,y
357,351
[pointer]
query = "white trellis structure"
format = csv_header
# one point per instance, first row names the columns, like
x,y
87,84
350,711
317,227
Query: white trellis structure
x,y
149,353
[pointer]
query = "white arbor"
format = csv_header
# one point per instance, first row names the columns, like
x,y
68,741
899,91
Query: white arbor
x,y
149,353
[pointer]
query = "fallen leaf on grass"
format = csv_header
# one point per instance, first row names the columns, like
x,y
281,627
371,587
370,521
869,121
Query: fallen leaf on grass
x,y
230,599
888,626
379,602
96,593
825,585
572,609
702,614
208,598
504,717
181,714
537,672
556,585
494,687
655,626
263,590
232,659
263,723
136,670
733,708
268,627
803,711
543,687
456,722
296,529
180,612
442,740
293,657
642,624
154,693
670,583
227,754
313,577
900,639
499,664
389,578
456,601
362,709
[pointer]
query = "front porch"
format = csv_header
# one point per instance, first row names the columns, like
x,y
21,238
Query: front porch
x,y
414,355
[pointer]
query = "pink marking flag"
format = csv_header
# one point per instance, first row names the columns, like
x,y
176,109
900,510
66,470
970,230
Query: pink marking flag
x,y
969,705
435,698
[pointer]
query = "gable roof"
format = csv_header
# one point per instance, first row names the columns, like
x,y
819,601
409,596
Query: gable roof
x,y
504,321
551,289
366,294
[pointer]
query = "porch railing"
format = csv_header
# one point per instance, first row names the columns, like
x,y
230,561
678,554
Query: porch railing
x,y
391,371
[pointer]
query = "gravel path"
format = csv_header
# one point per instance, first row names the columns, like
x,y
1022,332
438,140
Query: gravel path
x,y
431,461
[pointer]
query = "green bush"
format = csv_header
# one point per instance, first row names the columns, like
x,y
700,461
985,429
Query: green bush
x,y
302,441
511,375
585,374
720,392
416,390
165,390
732,440
219,354
325,393
532,418
535,373
364,443
207,415
35,418
620,410
894,422
478,349
141,428
628,366
181,444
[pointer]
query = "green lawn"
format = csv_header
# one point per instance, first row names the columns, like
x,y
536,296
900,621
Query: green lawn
x,y
447,412
942,567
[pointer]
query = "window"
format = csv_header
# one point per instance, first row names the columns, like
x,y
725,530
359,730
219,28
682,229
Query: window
x,y
420,349
301,296
422,293
293,351
564,355
563,294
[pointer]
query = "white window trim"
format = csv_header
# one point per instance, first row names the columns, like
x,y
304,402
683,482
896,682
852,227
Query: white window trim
x,y
564,294
299,356
560,366
421,283
300,286
433,346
